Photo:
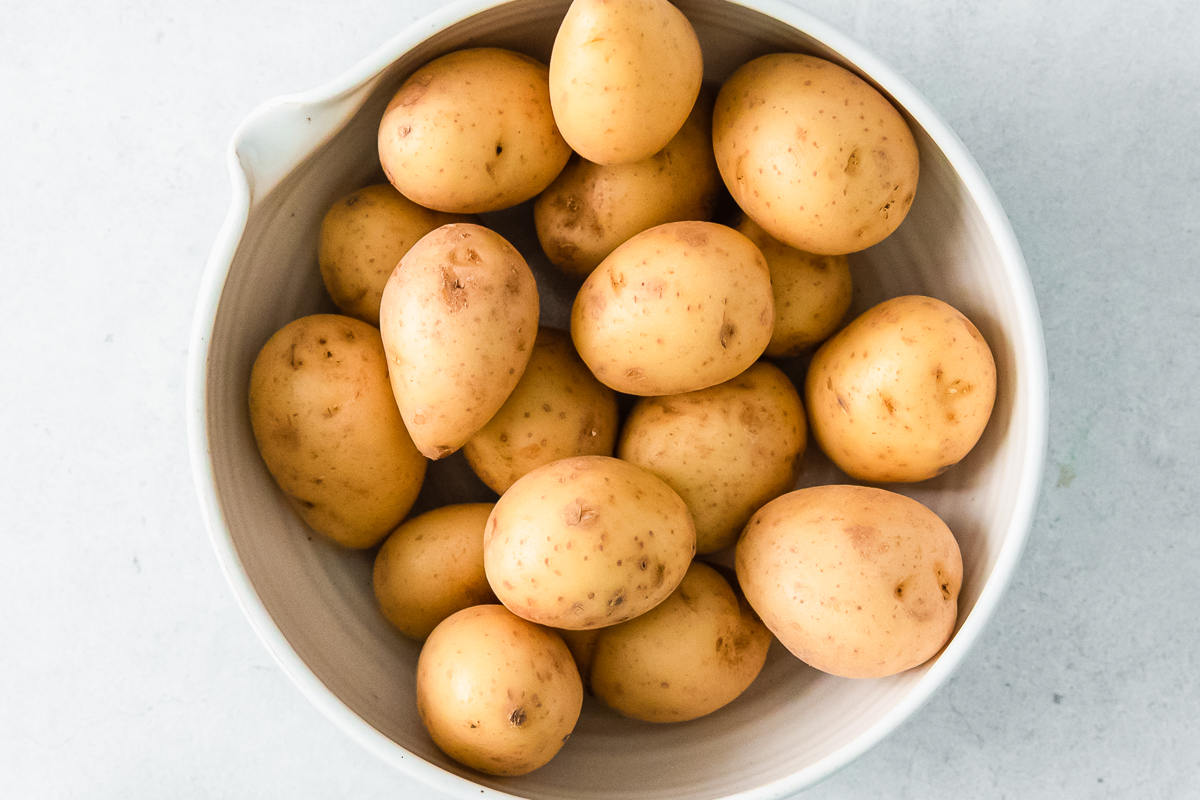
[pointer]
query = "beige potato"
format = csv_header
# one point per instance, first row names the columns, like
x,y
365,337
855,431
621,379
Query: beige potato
x,y
432,566
623,77
557,410
497,693
680,307
903,392
587,542
472,131
458,317
582,645
814,154
363,237
726,450
855,581
329,432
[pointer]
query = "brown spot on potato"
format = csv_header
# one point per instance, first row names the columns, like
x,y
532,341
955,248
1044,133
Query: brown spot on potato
x,y
578,513
517,717
454,295
694,234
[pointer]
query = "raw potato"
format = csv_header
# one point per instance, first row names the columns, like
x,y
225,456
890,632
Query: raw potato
x,y
814,154
432,566
680,307
855,581
587,542
472,131
557,410
582,645
497,693
458,317
623,77
903,392
727,450
693,653
327,427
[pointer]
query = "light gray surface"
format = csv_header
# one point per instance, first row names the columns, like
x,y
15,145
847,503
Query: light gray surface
x,y
127,669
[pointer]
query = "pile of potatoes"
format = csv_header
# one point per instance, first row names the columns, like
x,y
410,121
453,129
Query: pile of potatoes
x,y
582,576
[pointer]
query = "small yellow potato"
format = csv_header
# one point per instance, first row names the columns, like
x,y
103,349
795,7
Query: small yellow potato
x,y
726,450
363,237
432,566
472,131
587,542
695,652
582,645
591,209
814,154
557,410
458,316
623,77
903,392
497,693
855,581
812,292
680,307
329,432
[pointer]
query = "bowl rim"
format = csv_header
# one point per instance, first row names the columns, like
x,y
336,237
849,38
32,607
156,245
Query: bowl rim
x,y
1031,353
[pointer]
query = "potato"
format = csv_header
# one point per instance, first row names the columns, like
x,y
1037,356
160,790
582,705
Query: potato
x,y
432,566
587,542
903,392
472,131
693,653
591,209
363,237
855,581
814,154
726,450
329,432
582,645
623,77
497,693
458,316
557,410
680,307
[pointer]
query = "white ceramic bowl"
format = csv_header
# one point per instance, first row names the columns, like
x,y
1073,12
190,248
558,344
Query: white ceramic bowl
x,y
311,604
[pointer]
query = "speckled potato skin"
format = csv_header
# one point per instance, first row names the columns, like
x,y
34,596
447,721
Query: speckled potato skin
x,y
557,410
814,154
903,392
855,581
623,77
727,450
497,693
363,237
472,131
329,432
432,566
680,307
587,542
458,317
692,654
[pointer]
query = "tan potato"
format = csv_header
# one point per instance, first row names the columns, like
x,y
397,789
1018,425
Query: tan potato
x,y
855,581
582,645
903,392
497,693
680,307
726,450
587,542
459,315
692,654
814,154
472,131
557,410
812,292
328,429
363,237
432,566
623,77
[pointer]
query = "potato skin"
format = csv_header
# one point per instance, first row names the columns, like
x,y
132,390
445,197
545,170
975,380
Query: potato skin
x,y
903,392
497,693
329,432
855,581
